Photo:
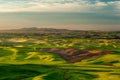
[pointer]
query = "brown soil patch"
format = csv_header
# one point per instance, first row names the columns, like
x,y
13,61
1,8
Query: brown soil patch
x,y
75,55
95,51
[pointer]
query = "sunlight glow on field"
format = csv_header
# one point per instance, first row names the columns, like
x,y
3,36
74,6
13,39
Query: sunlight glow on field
x,y
17,40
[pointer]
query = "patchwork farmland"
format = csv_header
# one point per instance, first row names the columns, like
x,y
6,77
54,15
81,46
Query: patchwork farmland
x,y
36,56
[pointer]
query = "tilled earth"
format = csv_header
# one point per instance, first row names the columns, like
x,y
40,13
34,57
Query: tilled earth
x,y
75,55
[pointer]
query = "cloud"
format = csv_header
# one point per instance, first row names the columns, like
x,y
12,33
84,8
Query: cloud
x,y
59,5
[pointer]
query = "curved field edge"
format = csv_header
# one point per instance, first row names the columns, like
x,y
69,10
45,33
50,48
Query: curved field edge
x,y
57,72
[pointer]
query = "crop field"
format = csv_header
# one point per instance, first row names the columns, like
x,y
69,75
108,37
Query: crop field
x,y
22,59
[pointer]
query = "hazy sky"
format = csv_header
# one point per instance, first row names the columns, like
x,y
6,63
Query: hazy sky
x,y
70,14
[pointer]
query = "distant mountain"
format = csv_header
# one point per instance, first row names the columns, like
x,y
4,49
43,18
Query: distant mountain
x,y
64,33
47,30
35,30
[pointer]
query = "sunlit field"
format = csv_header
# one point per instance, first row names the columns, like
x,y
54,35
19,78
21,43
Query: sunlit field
x,y
22,59
59,39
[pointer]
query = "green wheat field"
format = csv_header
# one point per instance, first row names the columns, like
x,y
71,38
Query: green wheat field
x,y
22,59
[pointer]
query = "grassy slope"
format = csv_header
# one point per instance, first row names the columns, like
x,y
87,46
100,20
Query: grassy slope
x,y
23,61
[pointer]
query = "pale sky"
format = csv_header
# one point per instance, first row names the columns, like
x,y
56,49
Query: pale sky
x,y
70,14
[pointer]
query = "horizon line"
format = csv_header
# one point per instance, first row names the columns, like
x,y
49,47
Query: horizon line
x,y
55,28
